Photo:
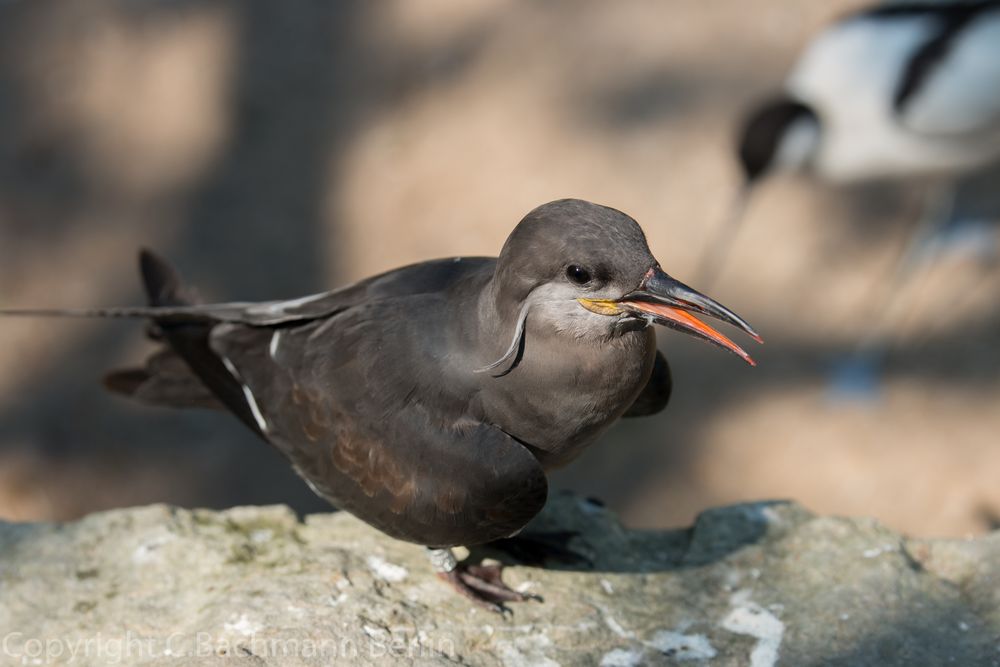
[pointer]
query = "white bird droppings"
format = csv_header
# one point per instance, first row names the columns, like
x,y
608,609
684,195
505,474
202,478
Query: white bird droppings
x,y
682,647
749,618
243,626
616,628
261,535
383,569
878,551
528,651
147,551
622,657
524,586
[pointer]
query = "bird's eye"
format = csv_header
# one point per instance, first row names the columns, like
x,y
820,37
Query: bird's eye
x,y
578,274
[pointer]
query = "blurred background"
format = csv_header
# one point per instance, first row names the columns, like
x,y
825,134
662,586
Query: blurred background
x,y
274,149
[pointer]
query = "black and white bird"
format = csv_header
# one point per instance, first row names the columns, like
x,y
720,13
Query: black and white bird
x,y
895,91
904,91
430,401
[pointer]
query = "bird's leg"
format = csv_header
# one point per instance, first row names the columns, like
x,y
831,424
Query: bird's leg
x,y
937,211
483,584
857,373
936,214
964,234
710,263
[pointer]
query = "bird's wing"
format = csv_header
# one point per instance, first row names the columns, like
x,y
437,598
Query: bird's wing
x,y
422,278
934,66
849,71
952,86
376,433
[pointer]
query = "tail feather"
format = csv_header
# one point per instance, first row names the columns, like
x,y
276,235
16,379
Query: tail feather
x,y
185,372
175,375
126,381
195,313
165,381
188,373
170,302
162,282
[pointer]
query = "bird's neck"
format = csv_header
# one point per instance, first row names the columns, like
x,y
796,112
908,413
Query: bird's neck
x,y
496,321
499,309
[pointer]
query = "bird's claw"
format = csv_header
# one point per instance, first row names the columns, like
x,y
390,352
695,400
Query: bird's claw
x,y
483,585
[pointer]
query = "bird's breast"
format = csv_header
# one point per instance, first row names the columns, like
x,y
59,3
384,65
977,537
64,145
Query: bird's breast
x,y
564,393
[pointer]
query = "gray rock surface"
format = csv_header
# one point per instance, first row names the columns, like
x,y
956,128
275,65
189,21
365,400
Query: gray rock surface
x,y
762,584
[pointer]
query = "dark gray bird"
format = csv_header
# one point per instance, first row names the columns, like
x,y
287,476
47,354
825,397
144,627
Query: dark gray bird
x,y
430,401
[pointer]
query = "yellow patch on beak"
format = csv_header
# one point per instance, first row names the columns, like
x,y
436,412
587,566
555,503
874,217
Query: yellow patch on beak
x,y
601,306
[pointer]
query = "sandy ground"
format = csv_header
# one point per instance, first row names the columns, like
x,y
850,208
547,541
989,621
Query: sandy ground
x,y
274,150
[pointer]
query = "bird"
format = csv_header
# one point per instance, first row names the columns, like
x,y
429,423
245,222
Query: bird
x,y
905,92
894,91
432,400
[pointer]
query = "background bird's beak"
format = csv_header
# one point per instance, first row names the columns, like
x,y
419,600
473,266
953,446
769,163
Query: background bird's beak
x,y
670,302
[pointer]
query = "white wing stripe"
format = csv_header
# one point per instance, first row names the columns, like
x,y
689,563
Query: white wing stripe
x,y
247,394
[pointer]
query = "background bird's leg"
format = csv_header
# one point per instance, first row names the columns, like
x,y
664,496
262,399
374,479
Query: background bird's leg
x,y
720,241
980,294
965,249
936,213
481,583
857,374
907,277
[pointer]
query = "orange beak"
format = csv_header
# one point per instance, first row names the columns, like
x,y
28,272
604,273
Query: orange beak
x,y
670,302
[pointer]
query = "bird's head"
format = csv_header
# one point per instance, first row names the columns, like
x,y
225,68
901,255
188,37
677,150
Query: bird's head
x,y
585,271
780,134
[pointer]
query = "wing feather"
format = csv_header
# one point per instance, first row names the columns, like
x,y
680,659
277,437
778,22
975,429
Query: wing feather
x,y
960,94
344,399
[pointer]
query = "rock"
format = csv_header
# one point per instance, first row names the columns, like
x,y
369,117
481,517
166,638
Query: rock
x,y
759,584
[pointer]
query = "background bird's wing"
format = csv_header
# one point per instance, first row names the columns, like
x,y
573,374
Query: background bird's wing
x,y
854,66
847,73
952,85
379,434
935,66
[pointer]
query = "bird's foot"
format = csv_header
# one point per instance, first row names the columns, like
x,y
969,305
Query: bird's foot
x,y
483,584
536,548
